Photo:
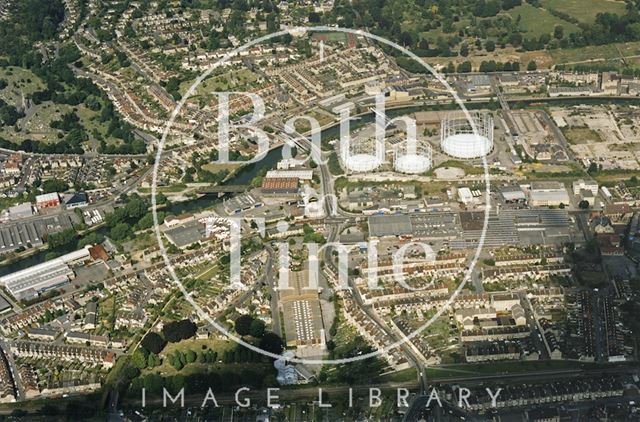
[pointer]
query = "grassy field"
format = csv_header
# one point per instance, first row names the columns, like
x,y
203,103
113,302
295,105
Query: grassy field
x,y
495,368
536,21
595,52
237,80
404,375
585,10
20,81
581,135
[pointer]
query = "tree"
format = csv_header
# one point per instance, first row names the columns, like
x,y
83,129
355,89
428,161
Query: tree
x,y
153,360
532,65
464,50
120,231
450,68
190,356
153,342
465,67
243,324
272,343
490,46
139,358
179,330
257,328
62,240
558,32
54,185
583,205
314,17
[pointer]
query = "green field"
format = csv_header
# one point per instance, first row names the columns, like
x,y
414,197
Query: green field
x,y
20,81
581,135
536,21
595,52
237,80
585,10
503,368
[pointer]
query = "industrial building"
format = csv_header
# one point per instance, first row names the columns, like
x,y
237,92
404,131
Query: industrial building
x,y
581,184
33,281
19,211
465,196
301,312
76,200
5,306
47,200
186,234
512,193
280,186
30,233
298,174
548,194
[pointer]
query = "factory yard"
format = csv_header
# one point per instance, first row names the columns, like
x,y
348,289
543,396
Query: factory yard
x,y
605,135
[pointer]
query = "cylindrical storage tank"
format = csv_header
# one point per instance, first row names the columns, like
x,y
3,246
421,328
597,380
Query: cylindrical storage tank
x,y
412,157
361,155
457,137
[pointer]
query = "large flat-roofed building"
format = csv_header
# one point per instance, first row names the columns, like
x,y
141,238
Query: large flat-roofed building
x,y
517,227
76,200
19,211
546,194
186,234
301,312
30,233
5,306
512,193
298,174
581,184
390,225
280,186
47,200
32,281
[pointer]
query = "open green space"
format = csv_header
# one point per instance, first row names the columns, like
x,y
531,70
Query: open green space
x,y
504,368
585,10
581,135
20,82
536,21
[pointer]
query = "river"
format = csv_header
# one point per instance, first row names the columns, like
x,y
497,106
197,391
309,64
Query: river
x,y
242,177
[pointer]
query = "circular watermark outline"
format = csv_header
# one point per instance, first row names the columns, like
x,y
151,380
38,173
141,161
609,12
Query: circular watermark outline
x,y
156,166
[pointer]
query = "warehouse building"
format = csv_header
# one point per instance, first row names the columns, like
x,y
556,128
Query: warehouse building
x,y
301,312
280,186
5,306
19,211
33,281
298,174
512,194
548,194
187,234
581,184
47,200
76,200
30,233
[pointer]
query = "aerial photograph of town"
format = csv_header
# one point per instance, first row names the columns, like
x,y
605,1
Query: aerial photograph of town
x,y
320,210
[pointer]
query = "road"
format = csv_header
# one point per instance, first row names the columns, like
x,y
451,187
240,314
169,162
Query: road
x,y
6,349
333,231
